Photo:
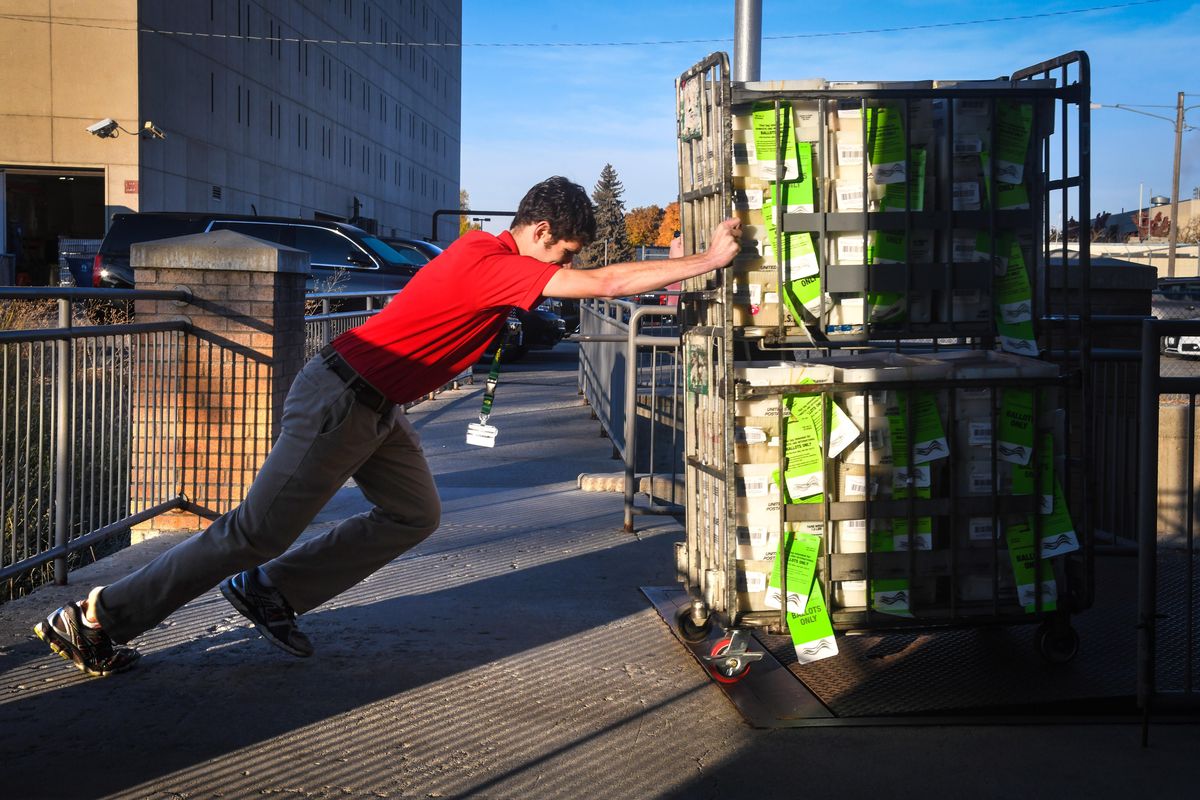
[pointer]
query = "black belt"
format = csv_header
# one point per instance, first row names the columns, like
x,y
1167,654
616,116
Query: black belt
x,y
364,392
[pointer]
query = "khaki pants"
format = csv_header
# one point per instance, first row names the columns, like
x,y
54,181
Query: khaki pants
x,y
328,436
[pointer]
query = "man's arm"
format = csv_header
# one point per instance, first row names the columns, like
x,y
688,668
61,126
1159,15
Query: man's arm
x,y
636,277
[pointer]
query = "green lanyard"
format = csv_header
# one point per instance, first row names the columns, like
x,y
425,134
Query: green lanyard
x,y
489,392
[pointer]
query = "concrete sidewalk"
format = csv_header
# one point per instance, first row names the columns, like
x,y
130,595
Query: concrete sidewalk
x,y
512,655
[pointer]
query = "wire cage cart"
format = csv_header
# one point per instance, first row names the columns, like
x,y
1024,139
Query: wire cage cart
x,y
880,389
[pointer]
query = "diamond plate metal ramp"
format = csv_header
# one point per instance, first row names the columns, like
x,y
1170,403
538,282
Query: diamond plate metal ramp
x,y
974,674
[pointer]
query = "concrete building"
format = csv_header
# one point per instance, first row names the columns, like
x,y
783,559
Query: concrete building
x,y
337,109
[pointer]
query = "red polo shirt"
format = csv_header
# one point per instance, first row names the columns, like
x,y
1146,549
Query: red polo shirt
x,y
444,318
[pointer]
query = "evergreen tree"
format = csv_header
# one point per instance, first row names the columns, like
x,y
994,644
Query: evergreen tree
x,y
612,240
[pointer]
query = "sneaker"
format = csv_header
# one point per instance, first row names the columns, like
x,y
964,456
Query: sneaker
x,y
268,610
90,649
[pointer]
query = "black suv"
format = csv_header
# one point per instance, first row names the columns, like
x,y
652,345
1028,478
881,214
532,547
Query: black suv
x,y
342,257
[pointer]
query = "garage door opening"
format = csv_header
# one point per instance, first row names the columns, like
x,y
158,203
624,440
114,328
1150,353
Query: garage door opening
x,y
46,211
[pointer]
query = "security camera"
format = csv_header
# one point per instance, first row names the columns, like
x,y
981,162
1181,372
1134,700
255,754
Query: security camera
x,y
152,131
104,128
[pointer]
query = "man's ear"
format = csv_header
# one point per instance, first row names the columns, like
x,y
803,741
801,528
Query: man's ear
x,y
542,233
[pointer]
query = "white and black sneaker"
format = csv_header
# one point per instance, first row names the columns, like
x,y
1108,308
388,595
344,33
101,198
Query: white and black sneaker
x,y
89,649
268,610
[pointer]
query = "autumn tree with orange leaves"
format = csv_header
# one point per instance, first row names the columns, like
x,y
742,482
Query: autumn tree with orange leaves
x,y
668,225
641,225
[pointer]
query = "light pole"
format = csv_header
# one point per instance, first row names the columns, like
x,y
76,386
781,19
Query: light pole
x,y
1178,122
478,221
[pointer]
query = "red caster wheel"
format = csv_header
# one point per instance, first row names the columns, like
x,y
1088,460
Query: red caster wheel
x,y
726,670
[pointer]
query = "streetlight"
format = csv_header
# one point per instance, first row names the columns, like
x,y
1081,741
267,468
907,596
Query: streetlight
x,y
1180,110
478,221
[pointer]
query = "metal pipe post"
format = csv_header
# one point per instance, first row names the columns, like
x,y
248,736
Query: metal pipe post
x,y
635,320
1147,499
63,380
747,40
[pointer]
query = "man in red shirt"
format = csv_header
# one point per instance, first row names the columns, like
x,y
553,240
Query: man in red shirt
x,y
341,419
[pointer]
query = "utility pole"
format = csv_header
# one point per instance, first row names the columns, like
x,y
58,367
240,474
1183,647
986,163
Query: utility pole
x,y
1174,234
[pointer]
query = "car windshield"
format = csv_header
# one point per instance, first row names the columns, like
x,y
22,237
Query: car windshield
x,y
389,253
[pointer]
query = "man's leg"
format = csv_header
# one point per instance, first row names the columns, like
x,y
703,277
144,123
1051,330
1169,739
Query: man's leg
x,y
396,479
326,437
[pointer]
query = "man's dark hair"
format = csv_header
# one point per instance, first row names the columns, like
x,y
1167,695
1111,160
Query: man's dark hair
x,y
565,205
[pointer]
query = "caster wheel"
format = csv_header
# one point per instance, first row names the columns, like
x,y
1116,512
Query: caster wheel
x,y
689,631
722,672
1056,643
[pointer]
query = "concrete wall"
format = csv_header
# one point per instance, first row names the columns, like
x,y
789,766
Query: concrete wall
x,y
256,118
1173,469
64,65
297,128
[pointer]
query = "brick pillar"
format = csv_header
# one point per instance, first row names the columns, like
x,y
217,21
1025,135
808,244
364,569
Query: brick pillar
x,y
207,405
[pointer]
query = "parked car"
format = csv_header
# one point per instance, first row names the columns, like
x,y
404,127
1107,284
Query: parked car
x,y
341,256
1177,298
419,250
543,328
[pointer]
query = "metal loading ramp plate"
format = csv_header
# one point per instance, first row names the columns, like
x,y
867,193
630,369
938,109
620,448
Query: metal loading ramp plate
x,y
991,670
985,673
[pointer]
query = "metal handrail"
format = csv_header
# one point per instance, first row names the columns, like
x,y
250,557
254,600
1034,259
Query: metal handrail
x,y
627,317
67,444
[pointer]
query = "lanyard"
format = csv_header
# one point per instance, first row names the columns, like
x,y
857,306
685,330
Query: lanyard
x,y
489,391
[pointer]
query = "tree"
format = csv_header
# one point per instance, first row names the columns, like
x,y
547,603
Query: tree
x,y
1189,232
668,225
612,240
642,225
464,204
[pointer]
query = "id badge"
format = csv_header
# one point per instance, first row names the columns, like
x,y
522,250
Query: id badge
x,y
481,435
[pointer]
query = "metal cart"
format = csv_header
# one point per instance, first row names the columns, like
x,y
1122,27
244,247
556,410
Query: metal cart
x,y
886,230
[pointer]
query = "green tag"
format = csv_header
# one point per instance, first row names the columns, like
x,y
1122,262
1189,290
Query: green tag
x,y
893,195
904,474
889,595
930,435
999,258
886,247
931,443
885,143
1014,297
1024,556
798,256
801,551
766,135
1015,441
922,538
1014,121
803,295
1017,338
1022,476
812,631
1058,532
842,430
798,193
1008,196
804,473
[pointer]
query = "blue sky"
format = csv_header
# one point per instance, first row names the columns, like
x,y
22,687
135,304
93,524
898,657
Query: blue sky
x,y
539,110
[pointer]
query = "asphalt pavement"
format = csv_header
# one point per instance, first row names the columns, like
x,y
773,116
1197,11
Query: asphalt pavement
x,y
511,655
